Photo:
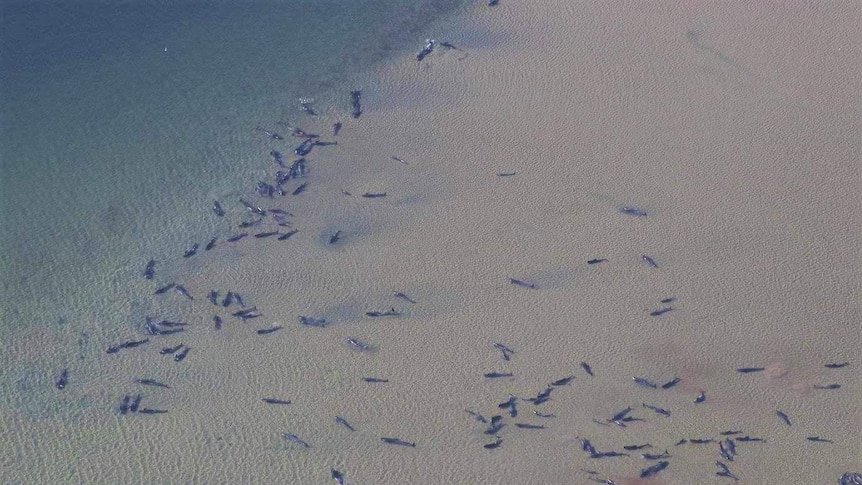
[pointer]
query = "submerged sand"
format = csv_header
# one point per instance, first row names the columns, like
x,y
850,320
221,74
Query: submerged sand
x,y
735,127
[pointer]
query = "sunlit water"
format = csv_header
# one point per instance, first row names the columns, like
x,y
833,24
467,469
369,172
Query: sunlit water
x,y
115,154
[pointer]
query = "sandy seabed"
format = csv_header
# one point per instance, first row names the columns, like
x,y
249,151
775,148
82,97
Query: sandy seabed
x,y
735,126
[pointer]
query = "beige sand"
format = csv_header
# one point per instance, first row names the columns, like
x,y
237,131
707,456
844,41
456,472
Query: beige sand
x,y
735,126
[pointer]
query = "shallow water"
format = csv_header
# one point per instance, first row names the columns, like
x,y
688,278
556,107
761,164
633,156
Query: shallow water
x,y
123,125
740,150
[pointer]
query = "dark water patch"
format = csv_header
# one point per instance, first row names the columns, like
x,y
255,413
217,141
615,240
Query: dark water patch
x,y
344,312
340,234
32,391
408,200
700,42
553,279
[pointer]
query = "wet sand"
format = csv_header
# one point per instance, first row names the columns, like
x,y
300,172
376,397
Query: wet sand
x,y
734,128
